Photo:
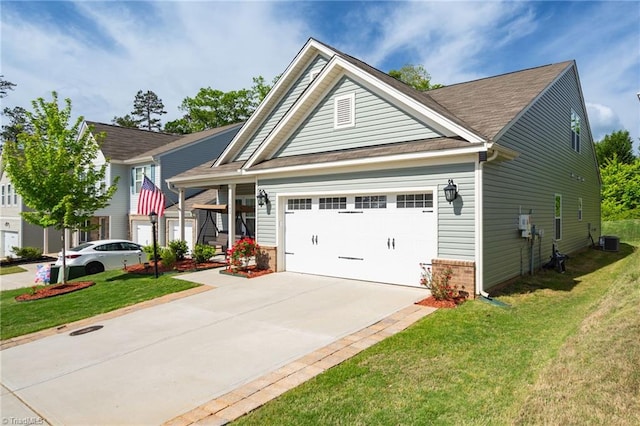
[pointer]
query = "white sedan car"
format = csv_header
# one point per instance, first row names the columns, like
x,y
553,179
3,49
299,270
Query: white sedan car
x,y
102,255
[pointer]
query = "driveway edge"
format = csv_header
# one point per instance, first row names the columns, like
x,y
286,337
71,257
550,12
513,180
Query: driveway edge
x,y
21,340
258,392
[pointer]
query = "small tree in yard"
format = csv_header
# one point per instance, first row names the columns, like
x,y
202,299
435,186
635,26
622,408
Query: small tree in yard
x,y
53,169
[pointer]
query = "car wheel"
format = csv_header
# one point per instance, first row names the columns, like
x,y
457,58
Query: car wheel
x,y
94,268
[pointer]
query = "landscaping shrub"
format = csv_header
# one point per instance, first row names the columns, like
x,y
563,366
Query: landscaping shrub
x,y
179,248
168,257
149,251
28,253
203,252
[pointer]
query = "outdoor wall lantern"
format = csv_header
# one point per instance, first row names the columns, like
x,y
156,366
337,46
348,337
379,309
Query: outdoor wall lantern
x,y
153,218
262,197
450,191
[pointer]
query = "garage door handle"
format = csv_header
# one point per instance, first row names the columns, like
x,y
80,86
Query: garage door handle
x,y
388,243
393,243
314,239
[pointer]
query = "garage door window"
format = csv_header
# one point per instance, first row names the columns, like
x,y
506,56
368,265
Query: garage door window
x,y
299,204
371,202
333,203
410,201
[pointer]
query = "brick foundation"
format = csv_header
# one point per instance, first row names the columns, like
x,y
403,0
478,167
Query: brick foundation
x,y
272,253
463,276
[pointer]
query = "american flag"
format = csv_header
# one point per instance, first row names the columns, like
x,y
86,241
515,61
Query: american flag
x,y
151,199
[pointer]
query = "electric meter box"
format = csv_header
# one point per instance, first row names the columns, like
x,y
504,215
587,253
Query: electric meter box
x,y
524,222
524,225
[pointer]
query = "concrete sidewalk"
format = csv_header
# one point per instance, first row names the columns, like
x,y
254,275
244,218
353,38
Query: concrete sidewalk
x,y
21,279
211,356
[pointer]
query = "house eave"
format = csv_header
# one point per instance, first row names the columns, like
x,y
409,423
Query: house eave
x,y
388,161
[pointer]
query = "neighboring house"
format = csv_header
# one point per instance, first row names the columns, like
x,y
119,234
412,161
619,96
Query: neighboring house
x,y
159,157
355,163
14,231
129,155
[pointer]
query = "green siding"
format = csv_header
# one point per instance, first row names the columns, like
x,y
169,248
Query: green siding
x,y
544,167
455,221
280,110
377,122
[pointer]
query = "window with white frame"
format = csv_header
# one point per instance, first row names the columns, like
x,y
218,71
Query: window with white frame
x,y
9,194
575,131
344,114
558,217
408,201
371,202
138,177
580,209
2,203
332,203
299,204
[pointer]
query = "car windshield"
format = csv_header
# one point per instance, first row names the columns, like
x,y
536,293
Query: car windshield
x,y
81,247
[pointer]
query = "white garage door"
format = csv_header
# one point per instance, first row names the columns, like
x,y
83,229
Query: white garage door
x,y
381,238
144,235
10,240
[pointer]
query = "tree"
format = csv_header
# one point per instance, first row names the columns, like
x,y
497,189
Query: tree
x,y
617,144
18,123
4,86
212,108
415,76
53,170
620,189
144,106
126,121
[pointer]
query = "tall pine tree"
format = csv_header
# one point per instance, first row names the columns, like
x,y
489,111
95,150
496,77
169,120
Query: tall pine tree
x,y
145,106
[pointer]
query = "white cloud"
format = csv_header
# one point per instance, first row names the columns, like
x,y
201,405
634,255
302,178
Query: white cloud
x,y
183,47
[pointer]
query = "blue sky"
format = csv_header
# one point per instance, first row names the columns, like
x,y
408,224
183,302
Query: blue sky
x,y
99,54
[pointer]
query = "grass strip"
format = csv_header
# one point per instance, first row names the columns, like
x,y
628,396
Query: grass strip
x,y
482,364
14,269
113,290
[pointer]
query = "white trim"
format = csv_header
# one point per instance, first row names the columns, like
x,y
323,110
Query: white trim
x,y
288,77
337,67
375,160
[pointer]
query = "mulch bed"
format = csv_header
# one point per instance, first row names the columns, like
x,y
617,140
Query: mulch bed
x,y
434,303
54,290
250,272
186,265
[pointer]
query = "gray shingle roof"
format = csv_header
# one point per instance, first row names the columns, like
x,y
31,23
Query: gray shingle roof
x,y
187,139
490,104
122,143
209,196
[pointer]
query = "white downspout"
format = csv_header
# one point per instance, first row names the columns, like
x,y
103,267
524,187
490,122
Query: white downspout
x,y
479,224
180,193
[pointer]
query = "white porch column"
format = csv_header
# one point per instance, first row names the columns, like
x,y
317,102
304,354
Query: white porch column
x,y
231,213
45,240
181,213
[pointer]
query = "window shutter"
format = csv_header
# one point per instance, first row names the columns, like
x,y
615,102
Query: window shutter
x,y
133,180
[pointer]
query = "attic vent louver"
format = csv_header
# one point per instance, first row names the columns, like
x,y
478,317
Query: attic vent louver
x,y
344,111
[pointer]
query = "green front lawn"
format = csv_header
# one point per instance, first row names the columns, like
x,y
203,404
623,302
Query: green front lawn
x,y
565,352
113,290
13,269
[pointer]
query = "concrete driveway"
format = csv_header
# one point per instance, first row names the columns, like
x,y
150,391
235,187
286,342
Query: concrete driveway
x,y
149,366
